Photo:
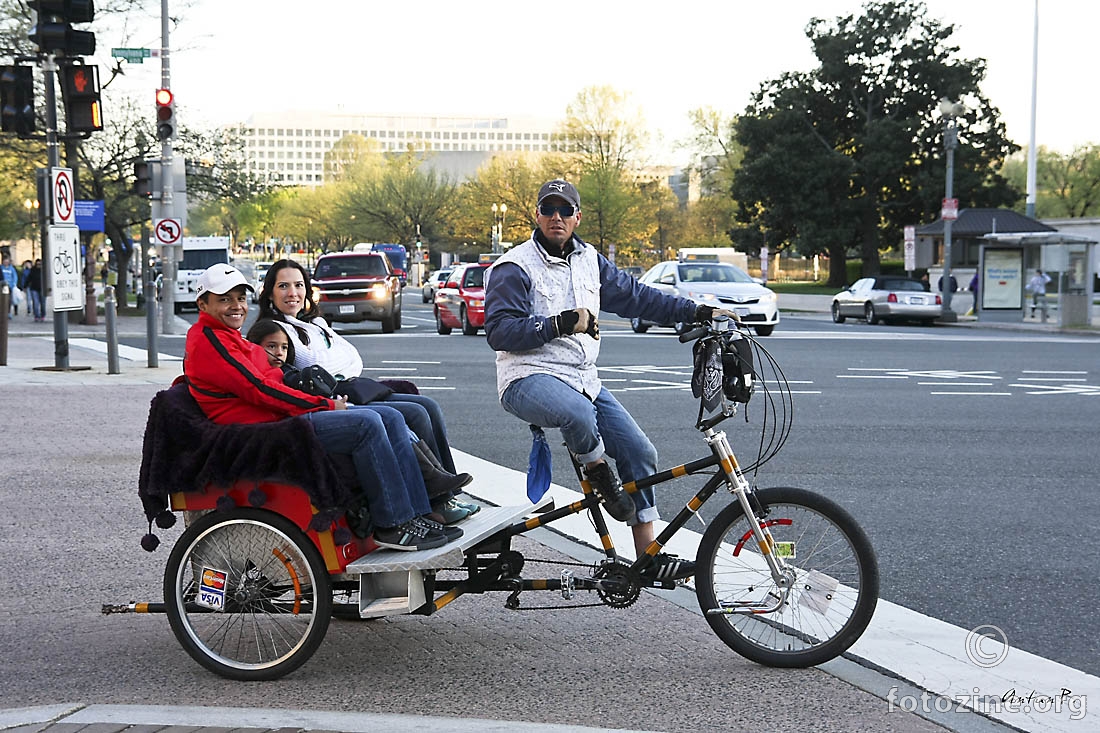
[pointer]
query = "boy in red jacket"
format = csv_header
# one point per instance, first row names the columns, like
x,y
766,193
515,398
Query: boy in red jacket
x,y
232,381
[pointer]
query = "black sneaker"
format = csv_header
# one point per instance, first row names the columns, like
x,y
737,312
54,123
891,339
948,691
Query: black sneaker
x,y
410,536
451,533
616,501
668,567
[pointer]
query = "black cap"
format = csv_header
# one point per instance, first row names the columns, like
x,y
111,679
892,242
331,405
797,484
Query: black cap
x,y
563,189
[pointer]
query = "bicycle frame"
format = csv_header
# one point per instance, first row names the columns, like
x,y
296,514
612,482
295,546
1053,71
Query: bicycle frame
x,y
495,575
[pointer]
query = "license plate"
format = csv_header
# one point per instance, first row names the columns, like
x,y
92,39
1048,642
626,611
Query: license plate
x,y
916,300
347,309
741,311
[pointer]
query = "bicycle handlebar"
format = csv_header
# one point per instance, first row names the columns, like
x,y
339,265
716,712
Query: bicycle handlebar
x,y
693,334
715,326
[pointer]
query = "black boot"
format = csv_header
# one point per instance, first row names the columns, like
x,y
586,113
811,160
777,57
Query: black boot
x,y
616,501
439,482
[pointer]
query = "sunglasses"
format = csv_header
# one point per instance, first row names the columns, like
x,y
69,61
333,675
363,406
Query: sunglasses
x,y
566,210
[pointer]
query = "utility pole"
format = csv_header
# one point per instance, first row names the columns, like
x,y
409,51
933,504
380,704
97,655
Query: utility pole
x,y
170,256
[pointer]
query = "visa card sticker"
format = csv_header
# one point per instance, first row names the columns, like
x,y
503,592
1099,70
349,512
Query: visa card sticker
x,y
212,588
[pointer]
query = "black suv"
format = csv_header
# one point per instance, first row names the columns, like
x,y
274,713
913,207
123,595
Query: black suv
x,y
358,286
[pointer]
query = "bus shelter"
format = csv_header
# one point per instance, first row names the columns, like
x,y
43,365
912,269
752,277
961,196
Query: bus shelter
x,y
1007,261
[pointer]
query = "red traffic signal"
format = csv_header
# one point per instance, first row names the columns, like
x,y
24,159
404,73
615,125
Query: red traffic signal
x,y
80,87
166,115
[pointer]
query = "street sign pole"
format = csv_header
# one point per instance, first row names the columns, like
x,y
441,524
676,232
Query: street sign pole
x,y
171,253
53,158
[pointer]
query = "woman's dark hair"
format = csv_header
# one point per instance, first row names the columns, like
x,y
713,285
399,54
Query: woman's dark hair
x,y
263,328
267,308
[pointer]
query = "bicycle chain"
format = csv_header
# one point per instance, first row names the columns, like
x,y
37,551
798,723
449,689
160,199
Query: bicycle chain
x,y
558,607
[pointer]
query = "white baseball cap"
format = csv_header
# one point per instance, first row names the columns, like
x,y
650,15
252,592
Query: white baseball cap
x,y
219,280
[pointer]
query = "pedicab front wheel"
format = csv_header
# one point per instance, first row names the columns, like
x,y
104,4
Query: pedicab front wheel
x,y
247,594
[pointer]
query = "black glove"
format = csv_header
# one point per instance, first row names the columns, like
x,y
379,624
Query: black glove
x,y
703,313
566,322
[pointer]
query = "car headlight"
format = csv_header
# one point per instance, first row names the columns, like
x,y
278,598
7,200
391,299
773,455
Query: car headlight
x,y
768,296
477,303
702,296
379,290
316,294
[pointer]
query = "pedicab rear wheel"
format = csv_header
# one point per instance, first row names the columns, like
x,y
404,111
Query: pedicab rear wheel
x,y
247,594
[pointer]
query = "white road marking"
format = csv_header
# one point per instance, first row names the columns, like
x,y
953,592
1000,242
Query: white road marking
x,y
1052,389
129,353
992,394
386,361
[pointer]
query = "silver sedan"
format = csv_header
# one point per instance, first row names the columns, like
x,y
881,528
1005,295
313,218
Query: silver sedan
x,y
886,298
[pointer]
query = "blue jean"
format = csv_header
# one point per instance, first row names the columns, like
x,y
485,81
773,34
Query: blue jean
x,y
379,446
38,303
425,417
591,429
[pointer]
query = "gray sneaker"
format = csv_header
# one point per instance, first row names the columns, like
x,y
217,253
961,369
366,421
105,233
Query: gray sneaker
x,y
616,501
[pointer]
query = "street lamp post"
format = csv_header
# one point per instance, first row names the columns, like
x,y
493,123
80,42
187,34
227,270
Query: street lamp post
x,y
950,111
32,213
498,226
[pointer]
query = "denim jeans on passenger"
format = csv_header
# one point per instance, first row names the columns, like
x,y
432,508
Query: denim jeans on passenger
x,y
372,438
590,428
425,417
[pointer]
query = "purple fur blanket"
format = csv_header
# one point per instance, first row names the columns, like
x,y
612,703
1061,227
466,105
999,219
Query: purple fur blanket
x,y
185,451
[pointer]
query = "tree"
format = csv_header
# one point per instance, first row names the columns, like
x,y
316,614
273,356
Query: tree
x,y
605,137
841,158
1066,185
398,202
512,179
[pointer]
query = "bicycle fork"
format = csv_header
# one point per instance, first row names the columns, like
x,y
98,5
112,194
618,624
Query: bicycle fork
x,y
782,575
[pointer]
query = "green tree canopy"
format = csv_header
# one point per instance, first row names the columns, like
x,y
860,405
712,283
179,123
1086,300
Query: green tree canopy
x,y
1066,185
844,156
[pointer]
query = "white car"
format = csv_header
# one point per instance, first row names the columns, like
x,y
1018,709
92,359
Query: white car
x,y
887,298
716,284
431,285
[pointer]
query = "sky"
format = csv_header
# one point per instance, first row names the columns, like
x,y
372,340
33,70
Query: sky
x,y
232,58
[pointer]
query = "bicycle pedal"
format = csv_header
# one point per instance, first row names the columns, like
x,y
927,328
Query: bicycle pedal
x,y
568,584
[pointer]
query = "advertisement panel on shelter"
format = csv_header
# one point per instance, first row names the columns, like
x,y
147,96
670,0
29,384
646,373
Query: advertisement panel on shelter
x,y
1002,281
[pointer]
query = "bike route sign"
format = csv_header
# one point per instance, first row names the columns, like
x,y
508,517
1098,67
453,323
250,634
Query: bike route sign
x,y
64,268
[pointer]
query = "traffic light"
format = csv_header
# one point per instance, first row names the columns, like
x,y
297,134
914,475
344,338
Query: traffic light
x,y
166,115
53,33
147,180
80,87
17,99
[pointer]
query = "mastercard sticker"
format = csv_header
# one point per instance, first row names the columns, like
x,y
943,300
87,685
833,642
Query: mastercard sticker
x,y
212,588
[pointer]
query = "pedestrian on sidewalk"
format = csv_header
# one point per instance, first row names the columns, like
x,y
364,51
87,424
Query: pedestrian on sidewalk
x,y
1037,286
11,277
973,286
36,292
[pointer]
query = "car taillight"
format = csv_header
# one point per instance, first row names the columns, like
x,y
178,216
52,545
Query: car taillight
x,y
939,300
892,298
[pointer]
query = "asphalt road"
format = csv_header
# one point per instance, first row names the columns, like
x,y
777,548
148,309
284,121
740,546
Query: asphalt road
x,y
965,453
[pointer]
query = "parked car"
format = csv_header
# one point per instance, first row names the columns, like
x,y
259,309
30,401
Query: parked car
x,y
460,301
261,272
634,270
431,285
887,298
717,284
349,287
